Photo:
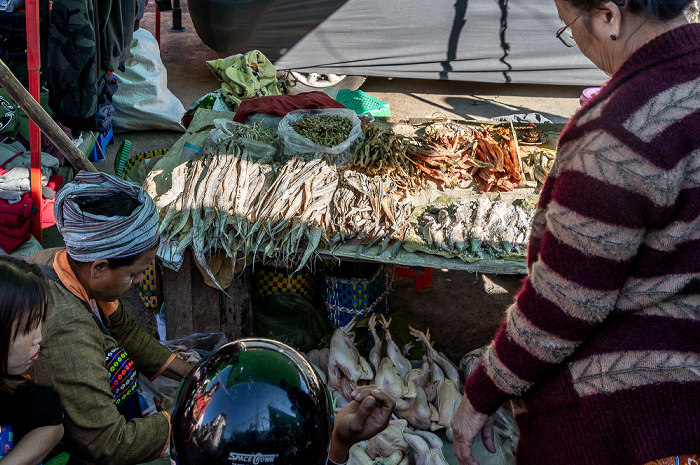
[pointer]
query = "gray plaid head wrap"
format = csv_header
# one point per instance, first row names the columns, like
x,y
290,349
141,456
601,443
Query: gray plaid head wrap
x,y
94,237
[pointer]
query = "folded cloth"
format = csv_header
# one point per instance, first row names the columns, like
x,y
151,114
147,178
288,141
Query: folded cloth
x,y
280,105
16,218
523,118
15,172
244,76
10,150
24,159
16,182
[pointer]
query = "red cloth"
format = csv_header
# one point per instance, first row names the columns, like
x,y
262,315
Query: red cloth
x,y
47,216
280,105
16,218
15,223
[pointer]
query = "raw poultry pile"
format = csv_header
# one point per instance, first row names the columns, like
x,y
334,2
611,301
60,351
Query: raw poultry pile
x,y
366,209
479,228
426,397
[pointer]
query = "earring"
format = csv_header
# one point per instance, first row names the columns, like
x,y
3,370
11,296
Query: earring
x,y
613,36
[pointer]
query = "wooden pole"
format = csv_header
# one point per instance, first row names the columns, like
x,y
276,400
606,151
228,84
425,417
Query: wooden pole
x,y
31,107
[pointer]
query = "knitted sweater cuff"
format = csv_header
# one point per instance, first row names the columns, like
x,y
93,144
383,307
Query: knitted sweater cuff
x,y
483,394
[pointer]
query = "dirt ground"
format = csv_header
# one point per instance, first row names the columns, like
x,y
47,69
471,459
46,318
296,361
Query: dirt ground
x,y
463,310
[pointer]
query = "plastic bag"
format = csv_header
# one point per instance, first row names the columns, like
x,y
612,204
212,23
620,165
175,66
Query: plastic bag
x,y
266,121
223,133
294,144
505,424
144,100
198,343
192,348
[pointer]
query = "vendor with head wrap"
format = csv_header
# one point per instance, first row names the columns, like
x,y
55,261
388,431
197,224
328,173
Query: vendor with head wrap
x,y
91,345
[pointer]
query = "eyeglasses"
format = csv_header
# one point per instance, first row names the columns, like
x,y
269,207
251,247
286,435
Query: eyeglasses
x,y
564,34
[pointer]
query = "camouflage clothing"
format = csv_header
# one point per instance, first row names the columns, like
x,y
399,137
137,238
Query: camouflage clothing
x,y
84,40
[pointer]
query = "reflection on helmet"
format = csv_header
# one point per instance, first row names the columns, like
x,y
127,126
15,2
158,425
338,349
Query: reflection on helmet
x,y
252,401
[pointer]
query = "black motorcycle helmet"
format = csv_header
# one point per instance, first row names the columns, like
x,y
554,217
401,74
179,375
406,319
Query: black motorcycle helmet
x,y
250,402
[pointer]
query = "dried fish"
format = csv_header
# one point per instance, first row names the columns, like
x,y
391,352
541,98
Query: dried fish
x,y
478,228
383,153
367,209
289,221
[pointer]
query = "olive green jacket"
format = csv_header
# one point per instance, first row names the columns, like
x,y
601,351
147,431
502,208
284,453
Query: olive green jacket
x,y
72,362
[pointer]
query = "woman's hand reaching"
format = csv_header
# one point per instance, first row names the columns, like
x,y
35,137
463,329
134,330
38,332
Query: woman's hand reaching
x,y
466,424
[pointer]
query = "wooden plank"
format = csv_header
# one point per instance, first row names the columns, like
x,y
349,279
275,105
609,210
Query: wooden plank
x,y
37,114
206,304
177,291
192,306
236,307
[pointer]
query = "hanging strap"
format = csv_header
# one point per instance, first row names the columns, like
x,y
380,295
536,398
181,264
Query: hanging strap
x,y
4,170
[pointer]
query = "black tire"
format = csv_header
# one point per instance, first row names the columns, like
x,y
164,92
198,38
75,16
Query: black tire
x,y
296,86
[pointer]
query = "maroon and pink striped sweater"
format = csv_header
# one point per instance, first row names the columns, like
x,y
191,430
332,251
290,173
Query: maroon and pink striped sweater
x,y
601,349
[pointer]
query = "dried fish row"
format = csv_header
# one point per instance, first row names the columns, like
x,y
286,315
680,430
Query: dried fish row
x,y
479,228
293,214
367,209
538,163
207,202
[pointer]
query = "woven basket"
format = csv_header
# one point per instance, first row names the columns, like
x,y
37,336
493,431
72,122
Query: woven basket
x,y
148,287
268,280
346,299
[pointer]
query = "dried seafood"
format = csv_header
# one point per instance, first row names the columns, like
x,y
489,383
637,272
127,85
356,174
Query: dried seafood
x,y
209,200
383,153
366,209
538,163
446,154
293,214
477,228
505,172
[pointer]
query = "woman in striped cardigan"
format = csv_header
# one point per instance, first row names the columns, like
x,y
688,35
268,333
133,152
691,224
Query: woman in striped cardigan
x,y
601,349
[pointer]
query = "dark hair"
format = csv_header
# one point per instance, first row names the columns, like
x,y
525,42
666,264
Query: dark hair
x,y
24,298
118,204
657,10
123,261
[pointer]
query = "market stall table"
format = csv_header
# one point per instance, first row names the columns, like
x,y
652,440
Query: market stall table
x,y
253,225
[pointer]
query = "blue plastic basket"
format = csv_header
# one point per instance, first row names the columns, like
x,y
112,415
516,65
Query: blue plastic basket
x,y
357,298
